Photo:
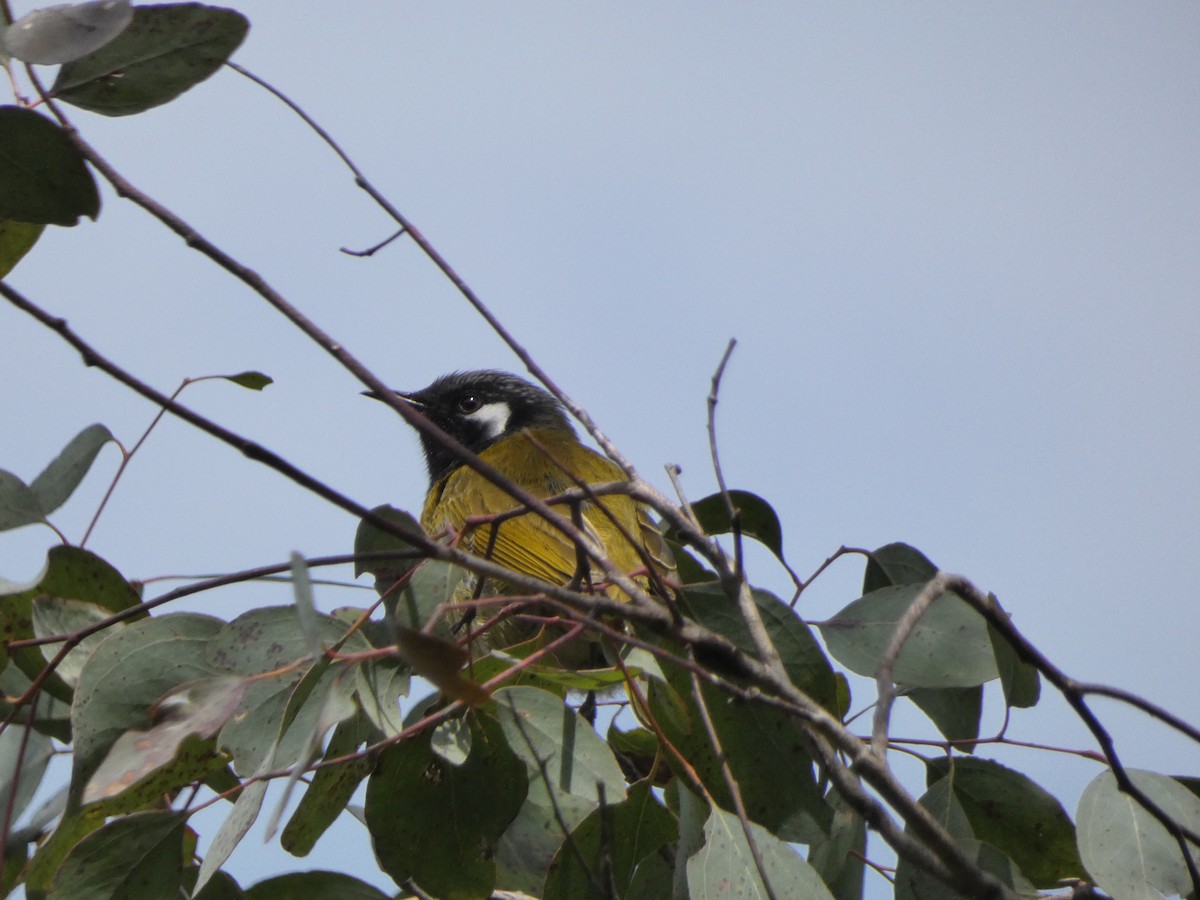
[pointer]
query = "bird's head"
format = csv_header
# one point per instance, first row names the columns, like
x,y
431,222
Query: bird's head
x,y
479,408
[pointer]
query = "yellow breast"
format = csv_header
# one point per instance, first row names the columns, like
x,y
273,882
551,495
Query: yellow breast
x,y
465,502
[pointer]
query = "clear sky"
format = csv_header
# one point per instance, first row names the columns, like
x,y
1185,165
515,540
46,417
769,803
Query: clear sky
x,y
959,246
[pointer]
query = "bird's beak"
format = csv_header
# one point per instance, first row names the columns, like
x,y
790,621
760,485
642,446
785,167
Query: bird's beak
x,y
375,395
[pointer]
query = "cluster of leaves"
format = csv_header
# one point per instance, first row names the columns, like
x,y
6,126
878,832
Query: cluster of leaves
x,y
517,789
117,61
704,785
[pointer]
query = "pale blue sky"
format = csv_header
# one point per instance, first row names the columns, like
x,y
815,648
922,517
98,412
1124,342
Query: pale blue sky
x,y
957,245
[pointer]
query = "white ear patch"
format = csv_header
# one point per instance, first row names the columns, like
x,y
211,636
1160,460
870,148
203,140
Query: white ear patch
x,y
492,418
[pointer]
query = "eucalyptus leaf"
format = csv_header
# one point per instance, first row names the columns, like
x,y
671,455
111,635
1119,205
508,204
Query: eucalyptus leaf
x,y
24,755
551,738
132,856
55,616
948,647
254,381
19,505
897,564
724,866
59,34
59,479
416,800
163,52
764,748
1007,810
196,708
1127,851
605,848
127,675
318,885
16,239
330,790
43,178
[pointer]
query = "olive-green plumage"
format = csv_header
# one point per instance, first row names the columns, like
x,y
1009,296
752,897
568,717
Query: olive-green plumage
x,y
523,432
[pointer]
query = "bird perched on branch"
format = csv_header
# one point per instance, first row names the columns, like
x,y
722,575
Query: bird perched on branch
x,y
524,433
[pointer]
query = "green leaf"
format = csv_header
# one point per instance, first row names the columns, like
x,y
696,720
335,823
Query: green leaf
x,y
955,712
306,611
372,539
254,381
233,829
1127,851
23,759
1020,680
52,716
724,866
141,855
280,715
165,51
314,886
18,504
16,239
897,564
949,647
451,741
59,34
48,859
125,677
330,790
380,684
765,750
43,178
529,843
839,858
431,585
71,573
67,470
802,656
607,846
540,726
758,520
914,883
197,708
1010,812
416,801
54,616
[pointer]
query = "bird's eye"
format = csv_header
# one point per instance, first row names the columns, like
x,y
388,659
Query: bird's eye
x,y
468,403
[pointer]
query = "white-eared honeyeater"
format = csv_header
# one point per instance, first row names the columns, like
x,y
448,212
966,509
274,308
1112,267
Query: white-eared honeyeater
x,y
523,432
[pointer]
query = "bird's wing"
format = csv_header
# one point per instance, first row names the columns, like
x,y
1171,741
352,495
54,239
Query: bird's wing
x,y
525,543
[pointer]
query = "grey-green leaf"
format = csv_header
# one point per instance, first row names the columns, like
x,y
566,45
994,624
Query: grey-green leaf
x,y
1128,852
23,759
949,647
541,727
59,34
18,503
612,841
133,856
724,866
59,479
127,675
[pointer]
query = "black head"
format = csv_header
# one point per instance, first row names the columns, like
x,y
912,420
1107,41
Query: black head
x,y
480,408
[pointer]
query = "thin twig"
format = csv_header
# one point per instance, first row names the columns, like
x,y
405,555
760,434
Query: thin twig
x,y
735,518
887,662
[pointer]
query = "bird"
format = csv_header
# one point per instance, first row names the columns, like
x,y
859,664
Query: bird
x,y
524,433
